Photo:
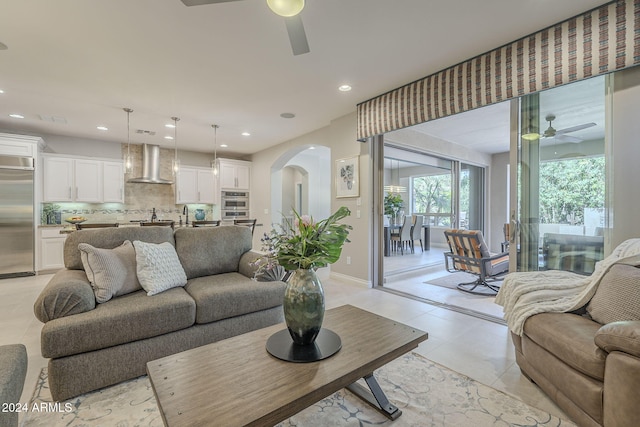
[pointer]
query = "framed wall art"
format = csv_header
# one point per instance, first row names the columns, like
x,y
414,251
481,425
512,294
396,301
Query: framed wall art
x,y
347,177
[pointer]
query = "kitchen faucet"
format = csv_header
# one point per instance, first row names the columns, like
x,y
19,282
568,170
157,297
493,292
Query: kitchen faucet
x,y
185,211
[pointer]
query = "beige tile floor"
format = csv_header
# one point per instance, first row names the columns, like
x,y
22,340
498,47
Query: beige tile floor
x,y
478,348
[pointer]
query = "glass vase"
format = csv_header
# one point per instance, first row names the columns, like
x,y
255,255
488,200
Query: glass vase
x,y
303,306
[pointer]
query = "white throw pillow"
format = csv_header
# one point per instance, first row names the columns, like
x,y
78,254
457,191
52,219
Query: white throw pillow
x,y
112,272
158,267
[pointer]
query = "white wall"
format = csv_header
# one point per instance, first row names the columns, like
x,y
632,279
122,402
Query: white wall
x,y
340,138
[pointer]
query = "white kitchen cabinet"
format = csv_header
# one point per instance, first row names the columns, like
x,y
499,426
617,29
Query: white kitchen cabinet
x,y
112,182
88,180
234,174
196,185
69,179
58,179
51,248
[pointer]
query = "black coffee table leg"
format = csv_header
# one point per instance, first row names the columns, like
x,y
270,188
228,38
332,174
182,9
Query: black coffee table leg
x,y
375,397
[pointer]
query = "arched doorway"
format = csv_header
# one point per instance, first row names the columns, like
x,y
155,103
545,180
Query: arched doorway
x,y
301,180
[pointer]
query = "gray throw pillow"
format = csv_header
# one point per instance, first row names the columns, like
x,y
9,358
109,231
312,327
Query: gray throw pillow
x,y
618,296
111,272
158,266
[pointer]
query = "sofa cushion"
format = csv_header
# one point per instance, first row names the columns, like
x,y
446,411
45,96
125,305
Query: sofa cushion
x,y
204,251
232,294
110,238
13,370
121,320
570,338
67,293
112,272
158,267
618,296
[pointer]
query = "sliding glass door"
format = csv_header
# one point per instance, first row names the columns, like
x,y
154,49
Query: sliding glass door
x,y
558,213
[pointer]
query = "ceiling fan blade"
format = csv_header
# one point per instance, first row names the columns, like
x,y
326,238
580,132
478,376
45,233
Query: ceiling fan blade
x,y
201,2
297,35
576,128
568,138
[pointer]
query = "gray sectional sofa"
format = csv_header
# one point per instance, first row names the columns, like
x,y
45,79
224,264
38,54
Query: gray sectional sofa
x,y
93,345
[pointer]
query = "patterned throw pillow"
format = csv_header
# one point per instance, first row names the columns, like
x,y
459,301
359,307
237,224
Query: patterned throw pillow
x,y
618,295
112,272
158,267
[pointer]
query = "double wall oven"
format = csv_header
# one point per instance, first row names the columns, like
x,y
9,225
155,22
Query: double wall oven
x,y
235,205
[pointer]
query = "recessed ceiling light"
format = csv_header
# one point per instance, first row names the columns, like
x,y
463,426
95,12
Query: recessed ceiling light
x,y
1,91
168,137
102,128
223,145
312,148
170,125
287,115
344,88
16,116
246,134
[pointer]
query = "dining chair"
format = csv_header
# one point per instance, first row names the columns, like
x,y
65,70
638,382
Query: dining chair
x,y
205,223
416,232
246,222
404,236
96,225
158,224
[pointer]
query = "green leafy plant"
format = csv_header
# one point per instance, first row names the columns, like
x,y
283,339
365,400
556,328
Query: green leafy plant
x,y
304,243
392,204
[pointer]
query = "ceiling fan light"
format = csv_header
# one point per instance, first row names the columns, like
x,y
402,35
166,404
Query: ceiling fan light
x,y
531,136
286,8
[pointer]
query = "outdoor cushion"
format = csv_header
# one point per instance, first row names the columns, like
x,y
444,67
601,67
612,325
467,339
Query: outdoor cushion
x,y
232,294
121,320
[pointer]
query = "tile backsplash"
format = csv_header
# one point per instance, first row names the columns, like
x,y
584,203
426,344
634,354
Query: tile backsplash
x,y
117,212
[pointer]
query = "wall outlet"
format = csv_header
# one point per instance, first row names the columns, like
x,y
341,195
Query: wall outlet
x,y
266,211
348,260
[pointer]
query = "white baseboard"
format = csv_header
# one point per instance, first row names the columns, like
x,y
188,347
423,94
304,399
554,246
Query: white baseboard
x,y
350,279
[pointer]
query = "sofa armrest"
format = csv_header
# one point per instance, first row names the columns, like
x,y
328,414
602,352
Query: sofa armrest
x,y
13,370
246,267
620,336
68,292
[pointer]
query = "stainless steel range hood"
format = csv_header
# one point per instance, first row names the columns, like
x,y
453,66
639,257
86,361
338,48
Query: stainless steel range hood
x,y
150,166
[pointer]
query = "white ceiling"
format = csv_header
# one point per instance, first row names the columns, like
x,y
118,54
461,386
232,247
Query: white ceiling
x,y
79,62
487,129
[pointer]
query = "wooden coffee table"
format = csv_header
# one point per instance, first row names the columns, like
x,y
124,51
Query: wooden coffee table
x,y
236,382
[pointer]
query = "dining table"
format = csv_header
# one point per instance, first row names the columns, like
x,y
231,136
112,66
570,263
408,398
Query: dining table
x,y
388,229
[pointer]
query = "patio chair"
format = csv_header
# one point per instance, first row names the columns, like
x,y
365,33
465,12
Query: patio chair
x,y
469,253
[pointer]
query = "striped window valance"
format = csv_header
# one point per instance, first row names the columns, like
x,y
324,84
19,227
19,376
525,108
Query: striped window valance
x,y
597,42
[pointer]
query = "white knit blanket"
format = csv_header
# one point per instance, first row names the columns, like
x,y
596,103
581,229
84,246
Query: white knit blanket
x,y
527,293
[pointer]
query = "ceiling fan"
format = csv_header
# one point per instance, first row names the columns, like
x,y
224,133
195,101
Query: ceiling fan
x,y
289,9
561,135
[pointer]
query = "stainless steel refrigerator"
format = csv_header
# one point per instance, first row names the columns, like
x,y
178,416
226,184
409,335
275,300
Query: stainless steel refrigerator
x,y
16,217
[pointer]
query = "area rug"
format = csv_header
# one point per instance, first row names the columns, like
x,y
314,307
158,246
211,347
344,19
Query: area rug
x,y
452,280
427,393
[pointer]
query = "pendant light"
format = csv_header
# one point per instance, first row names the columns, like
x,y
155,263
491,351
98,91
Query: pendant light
x,y
215,149
128,161
286,8
397,188
175,163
